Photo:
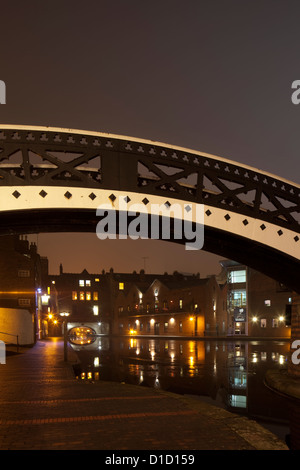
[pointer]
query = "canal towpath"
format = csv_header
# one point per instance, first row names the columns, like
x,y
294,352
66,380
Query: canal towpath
x,y
43,407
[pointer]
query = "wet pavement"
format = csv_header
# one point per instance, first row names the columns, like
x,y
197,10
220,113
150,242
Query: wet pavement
x,y
43,407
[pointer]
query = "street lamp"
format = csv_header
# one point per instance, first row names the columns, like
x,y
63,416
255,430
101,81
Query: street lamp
x,y
65,315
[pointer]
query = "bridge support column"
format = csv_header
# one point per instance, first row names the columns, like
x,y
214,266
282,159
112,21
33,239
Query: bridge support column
x,y
287,382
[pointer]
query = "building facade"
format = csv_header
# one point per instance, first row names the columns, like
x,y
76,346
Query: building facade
x,y
79,297
257,305
170,305
21,272
238,302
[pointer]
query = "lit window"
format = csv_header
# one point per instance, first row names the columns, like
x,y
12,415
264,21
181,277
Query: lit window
x,y
95,296
238,401
180,303
48,290
275,323
81,283
263,322
95,309
97,279
88,282
237,276
81,295
88,296
74,295
239,298
121,285
268,303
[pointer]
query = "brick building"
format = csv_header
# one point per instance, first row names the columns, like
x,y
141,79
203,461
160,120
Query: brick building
x,y
83,296
175,305
237,302
138,303
21,272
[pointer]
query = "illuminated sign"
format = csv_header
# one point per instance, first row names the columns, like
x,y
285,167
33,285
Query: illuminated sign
x,y
239,314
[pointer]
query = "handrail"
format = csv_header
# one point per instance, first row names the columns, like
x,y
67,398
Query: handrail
x,y
9,334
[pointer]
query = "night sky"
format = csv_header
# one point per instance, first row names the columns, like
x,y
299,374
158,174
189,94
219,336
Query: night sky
x,y
214,76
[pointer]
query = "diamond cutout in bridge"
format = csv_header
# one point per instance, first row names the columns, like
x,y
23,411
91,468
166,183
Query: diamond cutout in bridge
x,y
16,194
43,193
68,195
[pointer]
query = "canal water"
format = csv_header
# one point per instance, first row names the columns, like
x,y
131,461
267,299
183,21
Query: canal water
x,y
226,373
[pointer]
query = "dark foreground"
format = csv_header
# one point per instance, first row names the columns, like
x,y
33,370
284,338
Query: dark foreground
x,y
43,407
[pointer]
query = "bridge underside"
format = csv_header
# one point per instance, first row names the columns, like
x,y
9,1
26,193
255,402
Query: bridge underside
x,y
273,263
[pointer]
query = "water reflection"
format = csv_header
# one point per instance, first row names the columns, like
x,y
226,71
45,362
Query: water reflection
x,y
229,374
82,335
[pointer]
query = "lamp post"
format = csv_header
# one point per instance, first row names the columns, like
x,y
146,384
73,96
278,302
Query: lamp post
x,y
65,315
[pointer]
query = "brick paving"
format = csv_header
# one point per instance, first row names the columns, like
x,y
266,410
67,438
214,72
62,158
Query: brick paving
x,y
43,407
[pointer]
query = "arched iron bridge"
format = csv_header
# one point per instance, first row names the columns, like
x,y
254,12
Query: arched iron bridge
x,y
54,179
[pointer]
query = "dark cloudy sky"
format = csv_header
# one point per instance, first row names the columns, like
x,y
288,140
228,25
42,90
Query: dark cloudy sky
x,y
213,76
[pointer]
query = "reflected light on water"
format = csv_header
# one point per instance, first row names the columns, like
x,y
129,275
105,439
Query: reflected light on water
x,y
230,373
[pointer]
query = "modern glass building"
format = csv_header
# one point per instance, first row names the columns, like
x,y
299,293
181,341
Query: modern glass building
x,y
256,304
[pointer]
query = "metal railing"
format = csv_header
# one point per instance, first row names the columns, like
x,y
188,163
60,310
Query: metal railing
x,y
9,334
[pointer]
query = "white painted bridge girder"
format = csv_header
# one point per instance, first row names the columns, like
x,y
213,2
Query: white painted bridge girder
x,y
29,198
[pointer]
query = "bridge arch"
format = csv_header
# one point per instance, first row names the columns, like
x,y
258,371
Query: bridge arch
x,y
54,179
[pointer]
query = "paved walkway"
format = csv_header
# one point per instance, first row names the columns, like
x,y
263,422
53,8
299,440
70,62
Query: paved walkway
x,y
43,407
